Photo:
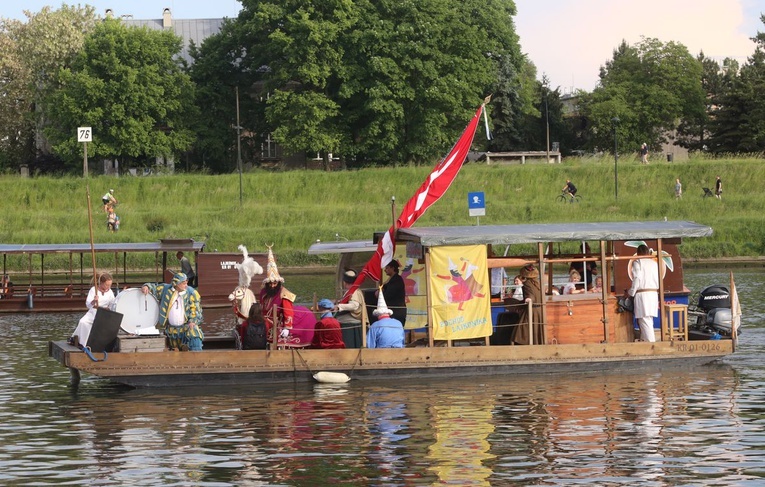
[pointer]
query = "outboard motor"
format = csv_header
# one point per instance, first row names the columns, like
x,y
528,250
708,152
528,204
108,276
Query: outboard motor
x,y
713,312
715,296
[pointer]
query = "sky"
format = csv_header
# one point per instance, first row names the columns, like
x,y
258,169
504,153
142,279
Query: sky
x,y
567,40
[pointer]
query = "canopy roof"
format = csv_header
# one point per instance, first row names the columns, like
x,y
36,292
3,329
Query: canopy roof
x,y
344,247
186,245
551,232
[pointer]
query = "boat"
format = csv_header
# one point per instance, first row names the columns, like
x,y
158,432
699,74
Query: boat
x,y
449,337
41,290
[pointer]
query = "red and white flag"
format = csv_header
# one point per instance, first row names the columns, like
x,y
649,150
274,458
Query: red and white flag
x,y
436,184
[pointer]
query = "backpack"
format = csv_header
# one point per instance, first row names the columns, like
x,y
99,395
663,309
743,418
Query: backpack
x,y
255,337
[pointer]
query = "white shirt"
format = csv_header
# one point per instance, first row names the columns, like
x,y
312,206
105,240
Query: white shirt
x,y
176,315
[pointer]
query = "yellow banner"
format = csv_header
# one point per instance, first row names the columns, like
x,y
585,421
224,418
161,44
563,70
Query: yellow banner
x,y
414,282
459,282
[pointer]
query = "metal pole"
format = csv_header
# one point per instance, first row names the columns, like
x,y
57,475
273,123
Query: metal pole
x,y
85,160
238,146
615,122
547,118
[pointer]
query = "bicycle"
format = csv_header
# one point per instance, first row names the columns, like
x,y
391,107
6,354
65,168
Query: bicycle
x,y
565,197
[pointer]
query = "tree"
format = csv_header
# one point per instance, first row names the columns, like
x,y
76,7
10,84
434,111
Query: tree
x,y
31,56
738,121
652,88
375,82
127,85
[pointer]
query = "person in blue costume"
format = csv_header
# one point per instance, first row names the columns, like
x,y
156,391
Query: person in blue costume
x,y
180,312
386,332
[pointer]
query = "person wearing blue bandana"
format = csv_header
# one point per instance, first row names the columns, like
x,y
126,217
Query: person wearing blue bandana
x,y
180,312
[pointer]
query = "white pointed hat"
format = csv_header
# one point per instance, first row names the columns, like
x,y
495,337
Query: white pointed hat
x,y
382,307
272,272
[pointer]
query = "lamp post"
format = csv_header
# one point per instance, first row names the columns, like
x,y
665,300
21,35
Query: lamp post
x,y
547,119
238,146
614,123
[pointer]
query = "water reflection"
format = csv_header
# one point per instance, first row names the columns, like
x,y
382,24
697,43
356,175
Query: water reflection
x,y
680,426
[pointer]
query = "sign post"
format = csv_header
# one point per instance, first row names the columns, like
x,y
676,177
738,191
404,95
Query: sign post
x,y
476,205
84,135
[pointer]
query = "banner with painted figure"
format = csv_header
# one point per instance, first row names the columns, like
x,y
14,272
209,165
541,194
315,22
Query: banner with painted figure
x,y
459,281
414,283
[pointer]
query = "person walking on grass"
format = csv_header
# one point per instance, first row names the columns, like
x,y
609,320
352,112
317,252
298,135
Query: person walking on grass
x,y
678,189
718,188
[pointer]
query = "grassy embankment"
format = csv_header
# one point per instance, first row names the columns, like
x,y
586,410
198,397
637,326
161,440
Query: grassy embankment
x,y
293,209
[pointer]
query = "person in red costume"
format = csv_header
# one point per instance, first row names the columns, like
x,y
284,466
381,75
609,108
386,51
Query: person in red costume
x,y
276,300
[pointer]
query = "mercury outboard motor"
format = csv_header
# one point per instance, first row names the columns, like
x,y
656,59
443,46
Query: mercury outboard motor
x,y
713,312
715,296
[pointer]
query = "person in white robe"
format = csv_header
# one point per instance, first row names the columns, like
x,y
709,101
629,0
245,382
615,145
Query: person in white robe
x,y
645,293
101,296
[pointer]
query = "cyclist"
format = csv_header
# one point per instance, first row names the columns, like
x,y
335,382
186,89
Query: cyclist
x,y
569,189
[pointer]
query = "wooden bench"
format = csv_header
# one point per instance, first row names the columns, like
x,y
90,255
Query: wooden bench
x,y
508,157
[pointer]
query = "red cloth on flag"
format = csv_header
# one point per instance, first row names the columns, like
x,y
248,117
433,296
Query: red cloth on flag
x,y
436,184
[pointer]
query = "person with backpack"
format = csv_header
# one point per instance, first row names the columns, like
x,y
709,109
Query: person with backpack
x,y
253,331
327,333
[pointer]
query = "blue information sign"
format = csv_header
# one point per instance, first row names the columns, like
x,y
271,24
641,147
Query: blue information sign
x,y
476,204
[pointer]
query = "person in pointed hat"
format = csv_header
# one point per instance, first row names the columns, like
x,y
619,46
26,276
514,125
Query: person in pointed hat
x,y
180,312
386,332
276,300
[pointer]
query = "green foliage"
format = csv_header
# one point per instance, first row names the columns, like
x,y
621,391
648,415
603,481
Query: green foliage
x,y
31,55
294,209
651,88
126,85
375,82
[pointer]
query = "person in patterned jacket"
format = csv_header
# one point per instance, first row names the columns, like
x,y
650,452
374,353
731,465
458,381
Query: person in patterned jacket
x,y
180,312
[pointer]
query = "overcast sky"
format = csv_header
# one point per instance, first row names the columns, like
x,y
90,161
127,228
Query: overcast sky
x,y
568,40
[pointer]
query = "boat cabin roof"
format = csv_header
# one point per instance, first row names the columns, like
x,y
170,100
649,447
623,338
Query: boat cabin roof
x,y
186,245
551,232
344,247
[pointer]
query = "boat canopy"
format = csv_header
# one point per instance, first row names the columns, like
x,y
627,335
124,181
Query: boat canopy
x,y
187,245
551,232
344,247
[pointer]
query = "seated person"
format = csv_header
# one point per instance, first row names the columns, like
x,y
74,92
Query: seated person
x,y
327,333
386,332
571,285
252,331
6,287
598,287
518,291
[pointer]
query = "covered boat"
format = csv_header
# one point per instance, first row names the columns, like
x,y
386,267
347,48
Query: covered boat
x,y
456,325
64,288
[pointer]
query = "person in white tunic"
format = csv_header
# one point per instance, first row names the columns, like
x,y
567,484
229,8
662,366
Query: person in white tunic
x,y
645,291
98,297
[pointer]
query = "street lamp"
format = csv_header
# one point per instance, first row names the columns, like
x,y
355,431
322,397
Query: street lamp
x,y
238,146
614,123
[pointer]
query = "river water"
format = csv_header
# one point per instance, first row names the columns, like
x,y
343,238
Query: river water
x,y
701,426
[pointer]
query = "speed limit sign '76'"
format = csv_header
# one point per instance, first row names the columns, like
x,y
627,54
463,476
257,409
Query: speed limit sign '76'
x,y
84,134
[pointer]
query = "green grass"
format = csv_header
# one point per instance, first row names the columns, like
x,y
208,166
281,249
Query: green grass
x,y
294,209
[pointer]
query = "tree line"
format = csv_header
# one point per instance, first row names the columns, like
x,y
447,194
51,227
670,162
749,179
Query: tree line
x,y
375,83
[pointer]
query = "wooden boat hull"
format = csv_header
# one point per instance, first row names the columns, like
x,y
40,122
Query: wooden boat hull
x,y
255,367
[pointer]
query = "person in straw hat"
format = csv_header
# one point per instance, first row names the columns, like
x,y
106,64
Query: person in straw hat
x,y
386,332
276,300
327,333
180,312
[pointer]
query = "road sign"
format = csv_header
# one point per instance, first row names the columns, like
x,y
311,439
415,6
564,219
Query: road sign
x,y
476,204
84,134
